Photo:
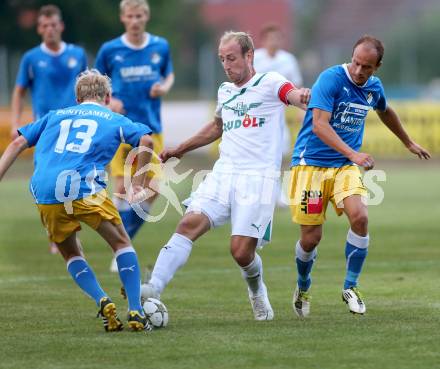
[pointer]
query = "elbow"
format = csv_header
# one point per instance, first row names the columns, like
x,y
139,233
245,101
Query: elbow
x,y
316,128
19,144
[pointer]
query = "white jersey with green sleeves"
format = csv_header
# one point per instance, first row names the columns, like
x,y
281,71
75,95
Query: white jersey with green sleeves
x,y
253,118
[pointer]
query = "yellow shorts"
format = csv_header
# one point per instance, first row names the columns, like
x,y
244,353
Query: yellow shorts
x,y
311,188
118,161
61,220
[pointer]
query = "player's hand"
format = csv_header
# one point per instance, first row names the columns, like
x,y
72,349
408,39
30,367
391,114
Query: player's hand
x,y
116,105
362,159
418,150
157,90
169,153
305,94
137,194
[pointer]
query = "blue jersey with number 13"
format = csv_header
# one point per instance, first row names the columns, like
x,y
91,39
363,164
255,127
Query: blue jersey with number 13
x,y
72,148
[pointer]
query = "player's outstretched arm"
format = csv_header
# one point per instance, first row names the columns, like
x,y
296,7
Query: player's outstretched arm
x,y
390,118
208,134
17,102
11,153
323,129
299,97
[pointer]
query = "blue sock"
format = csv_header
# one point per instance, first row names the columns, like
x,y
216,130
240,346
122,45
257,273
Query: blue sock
x,y
304,264
134,225
125,211
130,276
356,250
84,277
131,221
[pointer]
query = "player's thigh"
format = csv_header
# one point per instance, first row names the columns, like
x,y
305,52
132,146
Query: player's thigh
x,y
59,221
70,247
114,234
348,183
310,191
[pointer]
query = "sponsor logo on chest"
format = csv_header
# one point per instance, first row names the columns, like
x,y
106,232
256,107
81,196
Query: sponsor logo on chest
x,y
136,71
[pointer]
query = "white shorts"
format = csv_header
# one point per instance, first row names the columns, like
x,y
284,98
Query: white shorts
x,y
248,201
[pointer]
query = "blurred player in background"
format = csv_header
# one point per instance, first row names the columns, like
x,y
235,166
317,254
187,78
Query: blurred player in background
x,y
72,147
49,70
271,57
326,160
242,187
141,70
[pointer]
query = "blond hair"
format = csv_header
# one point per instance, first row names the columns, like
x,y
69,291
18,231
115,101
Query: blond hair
x,y
134,4
92,85
243,39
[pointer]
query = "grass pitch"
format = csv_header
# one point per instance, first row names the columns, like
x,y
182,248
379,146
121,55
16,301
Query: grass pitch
x,y
46,322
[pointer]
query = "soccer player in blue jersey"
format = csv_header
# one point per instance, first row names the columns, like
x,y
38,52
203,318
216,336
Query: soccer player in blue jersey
x,y
48,70
141,70
326,161
72,147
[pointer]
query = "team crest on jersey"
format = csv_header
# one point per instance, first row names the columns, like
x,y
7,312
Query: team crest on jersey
x,y
241,108
72,62
118,58
155,58
369,98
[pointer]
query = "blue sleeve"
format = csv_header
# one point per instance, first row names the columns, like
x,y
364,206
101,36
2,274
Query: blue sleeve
x,y
32,131
133,132
381,103
100,62
324,91
23,77
167,66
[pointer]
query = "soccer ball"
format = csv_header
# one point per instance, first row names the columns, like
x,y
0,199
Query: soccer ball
x,y
156,312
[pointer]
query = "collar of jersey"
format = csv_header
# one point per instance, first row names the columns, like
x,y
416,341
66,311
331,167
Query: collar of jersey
x,y
255,80
46,50
90,102
127,43
345,66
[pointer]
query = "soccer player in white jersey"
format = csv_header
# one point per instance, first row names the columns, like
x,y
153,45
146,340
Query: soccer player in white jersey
x,y
326,161
240,188
272,58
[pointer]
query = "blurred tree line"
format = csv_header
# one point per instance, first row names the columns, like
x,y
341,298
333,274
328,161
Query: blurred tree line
x,y
89,23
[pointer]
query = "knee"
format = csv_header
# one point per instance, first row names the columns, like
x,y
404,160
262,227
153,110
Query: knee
x,y
242,256
310,240
359,223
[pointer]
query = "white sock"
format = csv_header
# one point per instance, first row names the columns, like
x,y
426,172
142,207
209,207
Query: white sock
x,y
171,258
253,275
